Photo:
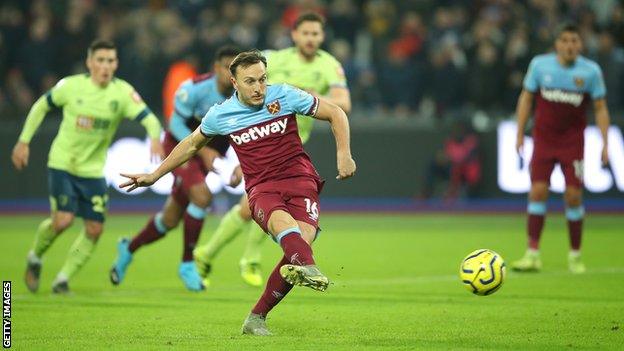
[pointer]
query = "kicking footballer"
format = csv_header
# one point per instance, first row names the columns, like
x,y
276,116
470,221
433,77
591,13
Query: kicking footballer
x,y
309,68
280,180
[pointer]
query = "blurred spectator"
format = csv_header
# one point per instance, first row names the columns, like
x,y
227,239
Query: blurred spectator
x,y
611,60
245,33
616,26
446,25
397,82
380,18
366,92
446,77
401,77
36,56
341,50
458,53
517,58
299,7
12,32
458,163
486,77
343,20
178,72
77,32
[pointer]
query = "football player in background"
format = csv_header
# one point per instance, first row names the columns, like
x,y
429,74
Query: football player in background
x,y
93,105
563,85
190,195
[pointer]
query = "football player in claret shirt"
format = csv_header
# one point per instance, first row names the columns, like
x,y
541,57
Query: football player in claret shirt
x,y
563,84
190,195
280,180
309,68
93,105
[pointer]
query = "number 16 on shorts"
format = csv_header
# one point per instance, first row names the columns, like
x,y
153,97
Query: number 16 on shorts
x,y
312,209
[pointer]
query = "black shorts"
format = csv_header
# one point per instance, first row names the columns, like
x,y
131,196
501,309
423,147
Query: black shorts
x,y
85,197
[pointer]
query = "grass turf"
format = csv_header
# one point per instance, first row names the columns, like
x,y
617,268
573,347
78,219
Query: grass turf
x,y
395,287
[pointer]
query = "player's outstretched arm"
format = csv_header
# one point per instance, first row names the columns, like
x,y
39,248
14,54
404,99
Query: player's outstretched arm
x,y
340,127
601,111
21,150
523,111
180,154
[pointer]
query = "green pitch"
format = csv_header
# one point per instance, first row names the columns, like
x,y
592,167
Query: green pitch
x,y
395,287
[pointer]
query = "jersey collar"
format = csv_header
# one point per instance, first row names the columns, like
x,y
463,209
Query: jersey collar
x,y
241,104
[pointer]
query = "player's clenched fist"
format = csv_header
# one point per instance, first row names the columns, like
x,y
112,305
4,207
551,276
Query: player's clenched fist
x,y
346,167
237,176
520,144
20,155
604,156
136,180
157,151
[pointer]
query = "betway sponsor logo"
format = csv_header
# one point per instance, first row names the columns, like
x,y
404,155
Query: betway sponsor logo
x,y
255,133
566,97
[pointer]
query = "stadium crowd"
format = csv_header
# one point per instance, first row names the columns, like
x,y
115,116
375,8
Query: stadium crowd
x,y
403,59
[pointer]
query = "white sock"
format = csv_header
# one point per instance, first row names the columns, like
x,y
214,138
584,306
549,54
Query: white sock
x,y
32,258
60,278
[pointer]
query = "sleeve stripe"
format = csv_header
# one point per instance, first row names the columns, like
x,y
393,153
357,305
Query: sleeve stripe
x,y
146,111
49,100
313,108
204,134
529,89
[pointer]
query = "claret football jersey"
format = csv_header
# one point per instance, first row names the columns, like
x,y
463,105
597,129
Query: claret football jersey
x,y
265,138
562,96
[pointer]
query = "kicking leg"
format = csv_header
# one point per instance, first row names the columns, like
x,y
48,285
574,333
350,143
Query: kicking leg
x,y
297,266
298,272
286,274
279,285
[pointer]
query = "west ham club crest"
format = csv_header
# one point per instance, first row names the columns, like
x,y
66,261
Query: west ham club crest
x,y
274,107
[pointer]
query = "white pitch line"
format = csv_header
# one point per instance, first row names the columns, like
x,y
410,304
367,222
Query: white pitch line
x,y
449,277
353,282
